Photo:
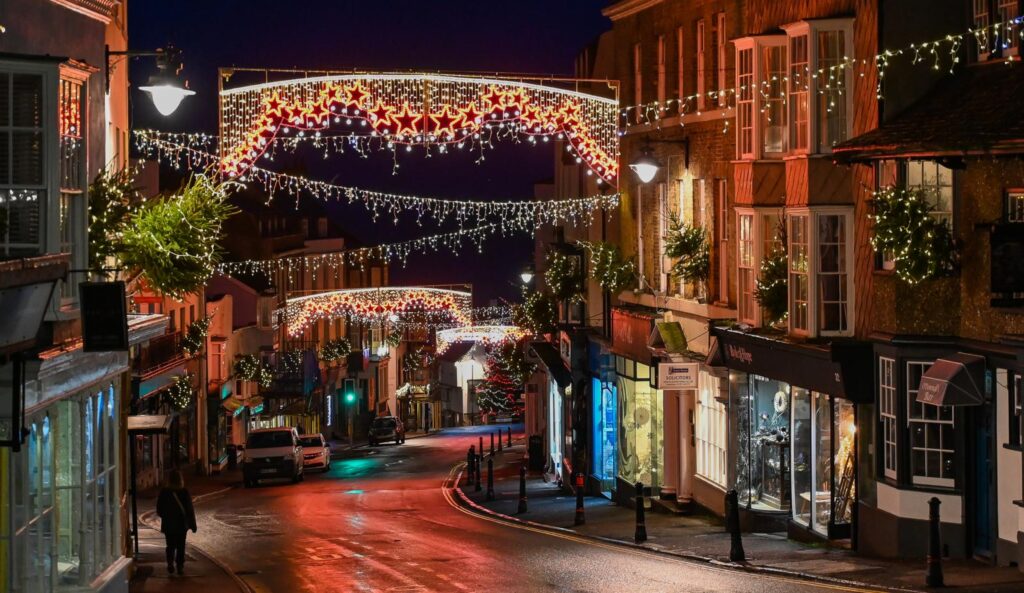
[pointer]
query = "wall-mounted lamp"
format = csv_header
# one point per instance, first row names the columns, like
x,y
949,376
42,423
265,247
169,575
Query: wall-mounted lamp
x,y
647,166
163,87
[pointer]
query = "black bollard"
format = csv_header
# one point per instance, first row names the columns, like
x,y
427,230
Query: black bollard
x,y
522,489
499,440
732,525
492,444
481,447
580,517
470,463
510,437
490,479
641,528
933,576
477,485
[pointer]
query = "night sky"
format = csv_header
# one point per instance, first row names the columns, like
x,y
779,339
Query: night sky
x,y
528,36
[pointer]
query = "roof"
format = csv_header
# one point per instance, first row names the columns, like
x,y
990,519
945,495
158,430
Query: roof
x,y
456,351
971,112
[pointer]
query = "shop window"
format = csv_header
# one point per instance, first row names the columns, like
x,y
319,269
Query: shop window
x,y
799,77
711,432
887,402
605,417
932,435
746,266
823,462
763,457
937,183
640,429
799,286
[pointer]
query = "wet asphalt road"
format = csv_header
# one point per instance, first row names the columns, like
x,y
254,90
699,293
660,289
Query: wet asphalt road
x,y
380,521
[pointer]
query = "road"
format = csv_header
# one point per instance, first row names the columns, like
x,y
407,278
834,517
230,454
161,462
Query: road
x,y
381,521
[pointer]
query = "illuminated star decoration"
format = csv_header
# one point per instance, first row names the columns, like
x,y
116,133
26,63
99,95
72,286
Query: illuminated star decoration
x,y
378,305
422,109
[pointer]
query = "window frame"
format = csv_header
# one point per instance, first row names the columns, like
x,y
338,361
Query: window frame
x,y
662,65
746,271
701,43
680,70
813,271
888,416
721,53
915,479
750,98
711,420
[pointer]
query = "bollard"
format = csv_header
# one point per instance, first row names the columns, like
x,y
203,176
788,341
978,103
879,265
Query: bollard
x,y
522,489
580,517
490,479
492,444
933,576
641,528
499,440
476,487
481,447
470,463
732,525
510,437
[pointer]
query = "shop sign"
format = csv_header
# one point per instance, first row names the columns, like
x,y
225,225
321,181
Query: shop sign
x,y
678,375
630,333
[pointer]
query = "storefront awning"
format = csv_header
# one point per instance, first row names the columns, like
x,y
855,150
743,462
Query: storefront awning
x,y
552,360
149,424
668,336
841,368
957,380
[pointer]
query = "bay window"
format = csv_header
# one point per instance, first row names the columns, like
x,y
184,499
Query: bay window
x,y
937,183
760,91
822,46
932,435
23,183
820,245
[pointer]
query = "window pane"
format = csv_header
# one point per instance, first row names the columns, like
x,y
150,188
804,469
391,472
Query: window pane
x,y
27,151
5,157
773,109
831,90
28,100
5,99
19,208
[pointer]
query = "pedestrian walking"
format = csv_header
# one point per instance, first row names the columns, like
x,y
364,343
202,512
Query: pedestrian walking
x,y
177,516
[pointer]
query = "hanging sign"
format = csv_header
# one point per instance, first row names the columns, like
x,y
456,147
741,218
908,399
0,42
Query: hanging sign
x,y
678,375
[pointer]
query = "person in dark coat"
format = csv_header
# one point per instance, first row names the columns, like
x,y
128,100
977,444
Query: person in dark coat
x,y
177,516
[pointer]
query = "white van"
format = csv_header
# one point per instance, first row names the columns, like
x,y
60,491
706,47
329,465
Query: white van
x,y
272,453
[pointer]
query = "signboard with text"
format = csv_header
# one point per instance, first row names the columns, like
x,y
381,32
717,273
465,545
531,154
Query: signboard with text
x,y
678,375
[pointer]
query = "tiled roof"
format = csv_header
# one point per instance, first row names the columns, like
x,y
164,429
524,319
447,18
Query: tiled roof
x,y
975,111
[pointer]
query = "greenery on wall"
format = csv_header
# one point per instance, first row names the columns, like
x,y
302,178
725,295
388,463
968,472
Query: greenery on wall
x,y
180,392
173,241
920,245
608,267
563,276
195,336
335,350
689,246
250,368
538,314
771,286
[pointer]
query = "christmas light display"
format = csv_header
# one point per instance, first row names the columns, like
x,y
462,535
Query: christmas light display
x,y
488,335
195,337
403,110
250,368
904,230
689,246
335,350
608,267
509,216
938,54
378,305
180,392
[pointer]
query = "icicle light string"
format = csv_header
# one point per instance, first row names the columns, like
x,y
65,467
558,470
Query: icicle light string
x,y
510,216
829,79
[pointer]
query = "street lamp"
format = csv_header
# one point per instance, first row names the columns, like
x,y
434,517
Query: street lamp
x,y
163,87
646,167
526,275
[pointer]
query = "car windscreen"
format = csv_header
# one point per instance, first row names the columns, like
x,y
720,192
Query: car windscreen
x,y
311,442
384,423
266,440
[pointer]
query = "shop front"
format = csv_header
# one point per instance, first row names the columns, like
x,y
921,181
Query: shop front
x,y
558,395
794,417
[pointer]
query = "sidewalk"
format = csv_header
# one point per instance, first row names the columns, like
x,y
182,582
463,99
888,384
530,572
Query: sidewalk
x,y
703,538
202,573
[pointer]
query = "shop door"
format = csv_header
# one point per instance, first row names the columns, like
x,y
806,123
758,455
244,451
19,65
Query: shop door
x,y
982,483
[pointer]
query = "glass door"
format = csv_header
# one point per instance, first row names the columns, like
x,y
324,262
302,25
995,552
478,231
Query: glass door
x,y
605,416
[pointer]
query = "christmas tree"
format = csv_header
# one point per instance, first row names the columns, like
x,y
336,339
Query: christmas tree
x,y
506,372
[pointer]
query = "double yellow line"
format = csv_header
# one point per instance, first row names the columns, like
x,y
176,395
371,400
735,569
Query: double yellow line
x,y
449,485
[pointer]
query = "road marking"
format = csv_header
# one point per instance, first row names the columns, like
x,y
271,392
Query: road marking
x,y
453,478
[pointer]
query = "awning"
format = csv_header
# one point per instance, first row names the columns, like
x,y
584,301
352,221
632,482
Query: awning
x,y
957,380
552,360
668,336
149,424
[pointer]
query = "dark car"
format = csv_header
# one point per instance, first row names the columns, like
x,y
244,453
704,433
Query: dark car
x,y
386,428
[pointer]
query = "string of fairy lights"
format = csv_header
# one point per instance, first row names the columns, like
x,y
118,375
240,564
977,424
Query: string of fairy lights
x,y
508,216
486,334
830,80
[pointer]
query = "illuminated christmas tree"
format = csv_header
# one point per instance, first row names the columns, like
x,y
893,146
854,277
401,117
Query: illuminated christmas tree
x,y
506,372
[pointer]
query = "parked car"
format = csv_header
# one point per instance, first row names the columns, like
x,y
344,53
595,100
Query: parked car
x,y
272,453
316,452
386,428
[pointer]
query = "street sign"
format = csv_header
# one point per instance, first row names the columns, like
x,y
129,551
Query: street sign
x,y
678,375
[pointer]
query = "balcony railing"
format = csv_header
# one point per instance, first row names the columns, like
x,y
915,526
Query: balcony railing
x,y
160,354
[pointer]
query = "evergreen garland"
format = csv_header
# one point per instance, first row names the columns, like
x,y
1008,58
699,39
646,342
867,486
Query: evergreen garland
x,y
174,241
507,371
113,200
250,368
291,362
335,350
538,314
688,244
195,337
563,276
608,267
180,392
920,245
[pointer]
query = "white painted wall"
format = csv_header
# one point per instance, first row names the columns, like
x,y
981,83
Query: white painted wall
x,y
913,504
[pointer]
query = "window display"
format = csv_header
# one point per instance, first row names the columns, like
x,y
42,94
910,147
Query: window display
x,y
763,479
640,434
605,417
823,461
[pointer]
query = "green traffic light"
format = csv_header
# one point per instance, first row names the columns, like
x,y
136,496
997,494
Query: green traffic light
x,y
350,398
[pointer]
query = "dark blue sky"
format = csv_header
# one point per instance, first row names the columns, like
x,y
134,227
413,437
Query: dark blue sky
x,y
533,36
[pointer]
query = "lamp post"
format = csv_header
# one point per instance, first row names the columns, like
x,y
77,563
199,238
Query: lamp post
x,y
163,87
527,275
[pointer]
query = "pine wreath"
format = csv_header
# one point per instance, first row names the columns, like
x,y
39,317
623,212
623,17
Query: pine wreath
x,y
920,245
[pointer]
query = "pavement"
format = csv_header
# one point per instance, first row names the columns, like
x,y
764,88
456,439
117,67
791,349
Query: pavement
x,y
702,538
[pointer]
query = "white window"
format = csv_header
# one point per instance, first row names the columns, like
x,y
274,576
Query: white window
x,y
746,266
701,64
820,83
799,108
661,71
711,432
932,435
638,82
937,182
833,273
981,23
832,89
799,289
23,181
722,226
721,37
680,68
745,102
773,99
887,401
761,99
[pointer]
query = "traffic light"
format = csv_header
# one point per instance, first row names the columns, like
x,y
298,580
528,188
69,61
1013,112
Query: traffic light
x,y
349,391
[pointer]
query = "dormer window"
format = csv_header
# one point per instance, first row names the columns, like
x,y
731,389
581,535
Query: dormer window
x,y
820,83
